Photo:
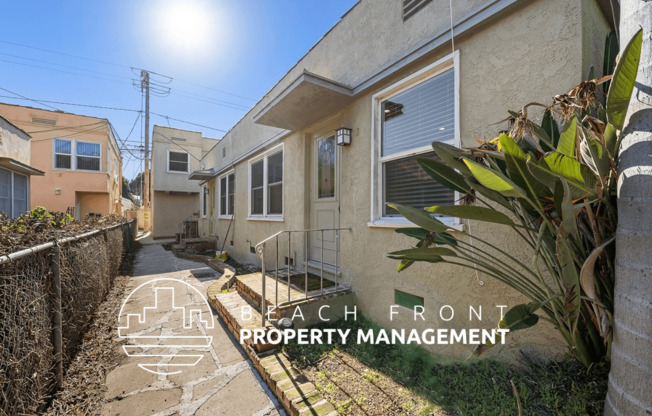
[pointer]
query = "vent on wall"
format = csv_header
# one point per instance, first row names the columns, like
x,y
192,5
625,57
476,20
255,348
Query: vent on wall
x,y
46,121
178,139
224,152
411,7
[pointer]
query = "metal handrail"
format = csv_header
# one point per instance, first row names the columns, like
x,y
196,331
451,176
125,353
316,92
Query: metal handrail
x,y
260,250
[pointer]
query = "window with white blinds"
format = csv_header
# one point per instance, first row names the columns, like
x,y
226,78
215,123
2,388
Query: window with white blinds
x,y
266,185
411,115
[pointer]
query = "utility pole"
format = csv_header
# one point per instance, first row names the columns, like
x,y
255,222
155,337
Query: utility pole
x,y
145,87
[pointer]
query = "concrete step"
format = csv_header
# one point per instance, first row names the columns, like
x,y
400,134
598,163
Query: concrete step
x,y
250,287
229,307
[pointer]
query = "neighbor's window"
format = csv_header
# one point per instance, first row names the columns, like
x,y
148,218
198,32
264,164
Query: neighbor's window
x,y
227,193
410,121
266,185
177,162
88,156
62,154
14,193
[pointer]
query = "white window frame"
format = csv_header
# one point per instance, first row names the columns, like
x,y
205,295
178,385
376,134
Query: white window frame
x,y
95,157
167,165
12,196
203,201
73,155
265,216
377,186
226,175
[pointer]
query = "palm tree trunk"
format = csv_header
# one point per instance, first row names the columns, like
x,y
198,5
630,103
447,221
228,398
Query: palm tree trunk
x,y
630,380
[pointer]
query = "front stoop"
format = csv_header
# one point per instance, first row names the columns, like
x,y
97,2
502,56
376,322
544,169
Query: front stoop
x,y
229,306
296,393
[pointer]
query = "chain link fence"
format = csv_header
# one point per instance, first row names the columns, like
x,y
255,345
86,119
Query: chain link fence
x,y
48,295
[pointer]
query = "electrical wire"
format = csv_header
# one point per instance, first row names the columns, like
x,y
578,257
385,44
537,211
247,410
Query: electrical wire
x,y
29,99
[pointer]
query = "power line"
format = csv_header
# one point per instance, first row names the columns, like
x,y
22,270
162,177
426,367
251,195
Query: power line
x,y
64,54
23,97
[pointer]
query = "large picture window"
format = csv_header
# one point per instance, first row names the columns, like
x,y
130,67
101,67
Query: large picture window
x,y
77,155
266,185
410,115
177,162
227,193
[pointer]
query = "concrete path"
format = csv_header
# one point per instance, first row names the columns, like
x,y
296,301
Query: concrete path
x,y
165,379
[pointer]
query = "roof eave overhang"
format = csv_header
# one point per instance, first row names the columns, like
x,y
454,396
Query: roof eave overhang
x,y
16,166
202,175
308,99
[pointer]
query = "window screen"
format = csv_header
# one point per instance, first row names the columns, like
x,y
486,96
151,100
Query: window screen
x,y
20,195
275,183
62,154
5,192
257,187
178,162
88,156
223,196
231,193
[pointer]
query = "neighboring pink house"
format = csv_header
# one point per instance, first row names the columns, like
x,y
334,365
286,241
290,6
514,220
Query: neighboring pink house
x,y
79,155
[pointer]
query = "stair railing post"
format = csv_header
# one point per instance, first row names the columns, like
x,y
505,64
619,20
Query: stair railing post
x,y
289,260
322,262
305,256
262,302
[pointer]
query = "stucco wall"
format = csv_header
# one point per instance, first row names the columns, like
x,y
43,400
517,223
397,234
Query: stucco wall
x,y
529,54
170,209
56,190
93,202
14,143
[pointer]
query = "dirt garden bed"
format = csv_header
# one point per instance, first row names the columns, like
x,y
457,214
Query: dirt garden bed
x,y
405,380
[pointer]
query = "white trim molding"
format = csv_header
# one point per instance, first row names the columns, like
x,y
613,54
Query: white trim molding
x,y
264,157
450,61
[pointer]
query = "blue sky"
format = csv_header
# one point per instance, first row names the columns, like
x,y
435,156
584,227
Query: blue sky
x,y
222,55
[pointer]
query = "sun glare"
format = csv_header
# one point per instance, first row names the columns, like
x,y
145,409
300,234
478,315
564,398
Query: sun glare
x,y
186,25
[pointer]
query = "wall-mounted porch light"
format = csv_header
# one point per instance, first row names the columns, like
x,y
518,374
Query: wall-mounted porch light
x,y
343,136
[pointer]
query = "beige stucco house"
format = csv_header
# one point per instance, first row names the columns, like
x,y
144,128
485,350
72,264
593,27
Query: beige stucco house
x,y
80,157
15,171
175,154
399,77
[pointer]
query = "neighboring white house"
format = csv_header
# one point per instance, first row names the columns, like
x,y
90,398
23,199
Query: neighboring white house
x,y
396,76
15,170
175,154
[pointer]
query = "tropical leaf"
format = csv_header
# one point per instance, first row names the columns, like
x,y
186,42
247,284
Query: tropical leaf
x,y
611,49
420,218
568,138
429,254
568,219
519,173
494,181
418,233
519,317
611,140
551,128
622,83
570,282
444,175
472,213
587,281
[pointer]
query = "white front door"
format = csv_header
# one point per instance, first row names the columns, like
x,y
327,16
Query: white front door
x,y
324,200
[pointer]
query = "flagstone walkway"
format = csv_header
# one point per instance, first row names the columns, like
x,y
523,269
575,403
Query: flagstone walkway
x,y
223,381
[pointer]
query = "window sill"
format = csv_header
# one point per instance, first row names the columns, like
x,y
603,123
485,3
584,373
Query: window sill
x,y
178,172
225,217
400,222
268,218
